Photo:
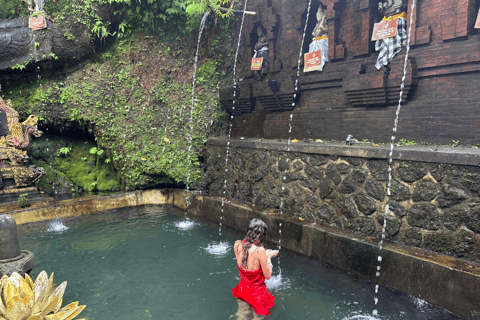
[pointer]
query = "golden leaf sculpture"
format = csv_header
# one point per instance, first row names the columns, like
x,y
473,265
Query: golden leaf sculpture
x,y
23,299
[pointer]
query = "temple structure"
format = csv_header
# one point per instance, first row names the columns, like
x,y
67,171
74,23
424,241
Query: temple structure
x,y
352,95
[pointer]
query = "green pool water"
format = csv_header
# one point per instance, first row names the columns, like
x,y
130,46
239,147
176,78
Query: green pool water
x,y
144,263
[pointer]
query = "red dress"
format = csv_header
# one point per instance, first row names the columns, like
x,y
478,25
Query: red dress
x,y
253,290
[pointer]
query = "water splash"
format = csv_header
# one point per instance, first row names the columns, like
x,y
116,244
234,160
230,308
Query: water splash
x,y
220,249
56,226
277,282
192,106
235,85
185,225
361,317
390,158
420,304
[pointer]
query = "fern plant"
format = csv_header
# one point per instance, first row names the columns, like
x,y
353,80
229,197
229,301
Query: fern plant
x,y
198,7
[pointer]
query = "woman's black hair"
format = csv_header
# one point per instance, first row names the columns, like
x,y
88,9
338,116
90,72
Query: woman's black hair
x,y
256,234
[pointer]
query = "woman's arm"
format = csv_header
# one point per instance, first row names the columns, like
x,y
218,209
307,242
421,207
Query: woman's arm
x,y
265,262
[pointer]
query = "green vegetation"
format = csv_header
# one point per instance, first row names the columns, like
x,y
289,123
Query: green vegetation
x,y
23,200
405,142
73,166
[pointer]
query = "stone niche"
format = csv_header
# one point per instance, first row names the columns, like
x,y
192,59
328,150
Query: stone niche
x,y
440,77
432,205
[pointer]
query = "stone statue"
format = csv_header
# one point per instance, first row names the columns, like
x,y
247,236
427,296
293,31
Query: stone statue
x,y
320,36
390,47
262,51
392,7
14,136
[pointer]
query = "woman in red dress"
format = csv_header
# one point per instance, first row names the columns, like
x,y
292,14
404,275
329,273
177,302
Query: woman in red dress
x,y
254,264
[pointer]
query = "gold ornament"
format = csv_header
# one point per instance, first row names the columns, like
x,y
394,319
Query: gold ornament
x,y
23,299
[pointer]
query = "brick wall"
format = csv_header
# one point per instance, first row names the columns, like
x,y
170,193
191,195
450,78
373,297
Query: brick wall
x,y
443,98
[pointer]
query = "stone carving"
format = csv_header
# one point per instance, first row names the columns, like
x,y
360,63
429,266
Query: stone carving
x,y
14,136
392,7
25,299
12,259
17,44
320,36
390,47
262,51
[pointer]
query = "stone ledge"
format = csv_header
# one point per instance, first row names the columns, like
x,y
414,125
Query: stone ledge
x,y
460,156
446,282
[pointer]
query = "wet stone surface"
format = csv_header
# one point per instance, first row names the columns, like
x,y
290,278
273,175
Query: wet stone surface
x,y
431,205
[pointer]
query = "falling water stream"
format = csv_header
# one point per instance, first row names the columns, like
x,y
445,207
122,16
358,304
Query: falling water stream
x,y
187,224
235,85
390,158
290,131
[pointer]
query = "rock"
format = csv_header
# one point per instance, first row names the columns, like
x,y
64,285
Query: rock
x,y
355,161
309,183
343,168
412,237
313,172
318,160
298,165
397,208
243,175
454,216
375,189
284,164
378,169
325,213
283,191
472,217
424,215
242,192
269,185
255,187
297,192
297,208
399,192
425,190
254,161
356,224
365,204
275,202
290,176
439,242
465,243
275,172
347,207
392,227
256,176
437,170
472,183
411,171
354,180
450,196
333,174
359,175
312,200
262,200
216,186
369,226
325,187
347,186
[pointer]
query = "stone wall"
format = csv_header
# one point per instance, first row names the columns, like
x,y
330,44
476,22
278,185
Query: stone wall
x,y
433,204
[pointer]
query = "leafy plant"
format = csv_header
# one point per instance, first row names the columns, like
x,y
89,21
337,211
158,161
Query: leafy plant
x,y
405,142
23,200
63,151
455,143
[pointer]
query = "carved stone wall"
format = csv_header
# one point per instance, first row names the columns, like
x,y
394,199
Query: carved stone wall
x,y
433,205
350,96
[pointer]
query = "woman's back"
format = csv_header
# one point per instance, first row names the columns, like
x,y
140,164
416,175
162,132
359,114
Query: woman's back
x,y
254,255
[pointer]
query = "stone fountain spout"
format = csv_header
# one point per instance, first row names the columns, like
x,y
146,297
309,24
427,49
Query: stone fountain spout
x,y
12,259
